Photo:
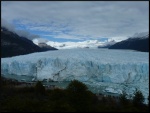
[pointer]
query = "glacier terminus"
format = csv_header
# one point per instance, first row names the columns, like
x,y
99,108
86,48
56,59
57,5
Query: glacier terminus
x,y
102,69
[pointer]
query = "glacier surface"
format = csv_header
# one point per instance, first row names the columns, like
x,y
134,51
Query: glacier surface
x,y
120,69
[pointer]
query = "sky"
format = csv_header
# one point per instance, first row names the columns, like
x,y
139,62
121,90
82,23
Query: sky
x,y
76,20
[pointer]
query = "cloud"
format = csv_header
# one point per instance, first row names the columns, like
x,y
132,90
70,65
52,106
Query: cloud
x,y
78,19
7,25
21,33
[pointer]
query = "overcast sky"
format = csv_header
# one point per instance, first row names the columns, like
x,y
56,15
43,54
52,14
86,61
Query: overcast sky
x,y
76,20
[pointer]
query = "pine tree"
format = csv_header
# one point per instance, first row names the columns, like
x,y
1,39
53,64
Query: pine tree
x,y
123,98
138,98
40,89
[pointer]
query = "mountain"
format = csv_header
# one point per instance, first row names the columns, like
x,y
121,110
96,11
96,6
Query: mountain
x,y
42,43
14,45
139,42
44,46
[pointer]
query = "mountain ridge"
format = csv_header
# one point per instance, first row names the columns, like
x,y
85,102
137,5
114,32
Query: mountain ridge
x,y
14,45
136,42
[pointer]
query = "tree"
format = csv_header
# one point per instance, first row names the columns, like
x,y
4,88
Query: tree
x,y
123,98
76,87
79,97
148,100
40,88
138,98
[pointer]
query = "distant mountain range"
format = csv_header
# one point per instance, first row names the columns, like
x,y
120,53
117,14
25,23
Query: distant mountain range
x,y
139,42
71,45
14,45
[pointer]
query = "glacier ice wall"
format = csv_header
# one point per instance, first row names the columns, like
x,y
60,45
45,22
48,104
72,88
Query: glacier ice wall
x,y
87,65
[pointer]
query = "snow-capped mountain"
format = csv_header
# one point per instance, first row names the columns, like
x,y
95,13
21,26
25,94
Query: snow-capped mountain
x,y
139,42
41,42
71,45
13,45
114,70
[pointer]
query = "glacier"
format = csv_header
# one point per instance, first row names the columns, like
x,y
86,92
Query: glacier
x,y
103,69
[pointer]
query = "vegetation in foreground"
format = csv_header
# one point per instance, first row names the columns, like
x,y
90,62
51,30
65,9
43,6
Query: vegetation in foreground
x,y
75,98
